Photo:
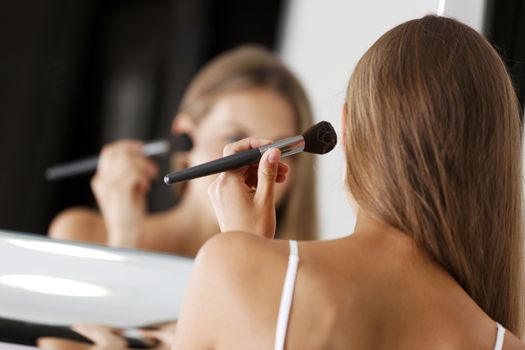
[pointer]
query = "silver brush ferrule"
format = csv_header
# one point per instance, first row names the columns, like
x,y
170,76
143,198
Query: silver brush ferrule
x,y
155,148
287,146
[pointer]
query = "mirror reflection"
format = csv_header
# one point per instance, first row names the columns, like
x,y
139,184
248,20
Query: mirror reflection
x,y
49,285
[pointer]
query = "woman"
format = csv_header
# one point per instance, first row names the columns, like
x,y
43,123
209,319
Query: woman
x,y
244,92
433,170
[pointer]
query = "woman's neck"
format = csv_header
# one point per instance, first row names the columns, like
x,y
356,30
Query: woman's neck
x,y
374,229
368,224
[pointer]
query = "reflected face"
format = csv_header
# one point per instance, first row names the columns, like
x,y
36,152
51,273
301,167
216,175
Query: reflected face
x,y
256,112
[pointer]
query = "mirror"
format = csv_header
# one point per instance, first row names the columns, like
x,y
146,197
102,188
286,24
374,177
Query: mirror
x,y
46,285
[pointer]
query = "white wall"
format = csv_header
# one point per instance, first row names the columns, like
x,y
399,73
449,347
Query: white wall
x,y
470,12
322,42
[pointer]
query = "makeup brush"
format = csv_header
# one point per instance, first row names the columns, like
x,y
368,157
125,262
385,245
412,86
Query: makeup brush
x,y
179,143
319,139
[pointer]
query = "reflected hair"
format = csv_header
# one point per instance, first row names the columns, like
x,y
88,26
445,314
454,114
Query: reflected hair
x,y
433,148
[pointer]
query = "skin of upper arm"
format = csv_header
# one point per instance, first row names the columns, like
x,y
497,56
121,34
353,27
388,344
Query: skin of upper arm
x,y
218,278
204,301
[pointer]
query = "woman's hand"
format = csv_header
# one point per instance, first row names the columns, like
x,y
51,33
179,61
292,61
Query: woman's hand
x,y
103,337
164,333
108,338
120,185
243,199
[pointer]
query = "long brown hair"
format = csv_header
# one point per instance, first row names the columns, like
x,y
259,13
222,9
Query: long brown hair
x,y
433,148
252,66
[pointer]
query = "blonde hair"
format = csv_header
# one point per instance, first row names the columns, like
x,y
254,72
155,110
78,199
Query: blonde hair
x,y
433,148
255,67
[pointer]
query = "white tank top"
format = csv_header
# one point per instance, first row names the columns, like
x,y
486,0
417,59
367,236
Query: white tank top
x,y
287,297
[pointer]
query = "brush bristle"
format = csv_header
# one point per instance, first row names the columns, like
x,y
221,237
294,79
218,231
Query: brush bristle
x,y
181,143
320,138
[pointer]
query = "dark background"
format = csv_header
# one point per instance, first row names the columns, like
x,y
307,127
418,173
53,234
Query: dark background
x,y
505,28
77,74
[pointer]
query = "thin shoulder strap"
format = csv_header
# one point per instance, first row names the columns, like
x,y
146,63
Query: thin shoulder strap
x,y
500,337
286,297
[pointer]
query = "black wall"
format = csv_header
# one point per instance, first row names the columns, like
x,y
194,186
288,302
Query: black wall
x,y
505,28
77,74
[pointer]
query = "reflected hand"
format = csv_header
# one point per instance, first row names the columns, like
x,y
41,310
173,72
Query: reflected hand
x,y
120,185
243,199
104,337
165,334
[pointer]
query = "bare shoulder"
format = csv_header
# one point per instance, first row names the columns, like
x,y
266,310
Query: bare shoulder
x,y
238,257
78,223
231,285
240,245
512,342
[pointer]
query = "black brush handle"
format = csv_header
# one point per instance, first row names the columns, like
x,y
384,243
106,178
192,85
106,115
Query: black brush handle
x,y
179,143
233,161
28,333
78,167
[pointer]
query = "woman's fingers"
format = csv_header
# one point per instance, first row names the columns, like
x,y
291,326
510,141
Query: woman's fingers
x,y
244,145
243,199
251,174
267,176
162,335
243,173
102,336
123,168
125,159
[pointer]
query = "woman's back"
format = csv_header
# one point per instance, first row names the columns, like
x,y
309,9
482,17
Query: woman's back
x,y
372,290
